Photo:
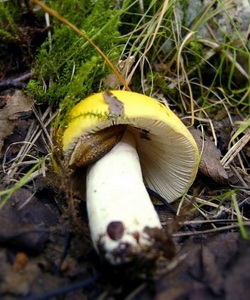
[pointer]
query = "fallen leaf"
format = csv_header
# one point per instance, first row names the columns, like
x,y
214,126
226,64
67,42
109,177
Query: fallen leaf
x,y
237,274
14,142
112,82
215,267
210,164
208,270
116,107
14,106
24,222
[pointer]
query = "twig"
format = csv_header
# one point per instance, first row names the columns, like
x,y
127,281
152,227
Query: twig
x,y
224,228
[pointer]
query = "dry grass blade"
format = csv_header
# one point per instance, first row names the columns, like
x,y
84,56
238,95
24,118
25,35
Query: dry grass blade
x,y
236,148
215,46
210,231
136,292
185,77
217,209
34,133
241,224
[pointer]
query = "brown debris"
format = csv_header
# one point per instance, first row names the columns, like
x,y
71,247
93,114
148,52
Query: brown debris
x,y
15,106
31,280
23,222
210,158
214,268
116,107
21,261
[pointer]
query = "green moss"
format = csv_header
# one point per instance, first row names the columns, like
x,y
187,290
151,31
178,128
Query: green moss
x,y
160,83
67,65
8,21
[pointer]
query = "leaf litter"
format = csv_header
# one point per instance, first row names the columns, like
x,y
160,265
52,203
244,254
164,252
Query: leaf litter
x,y
15,107
210,164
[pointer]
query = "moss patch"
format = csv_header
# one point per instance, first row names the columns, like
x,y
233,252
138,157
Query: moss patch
x,y
67,68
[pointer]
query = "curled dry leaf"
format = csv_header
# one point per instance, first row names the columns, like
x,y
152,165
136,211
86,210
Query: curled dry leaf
x,y
124,66
210,164
14,106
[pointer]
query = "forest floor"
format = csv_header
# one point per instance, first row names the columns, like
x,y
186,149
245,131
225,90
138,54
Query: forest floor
x,y
45,246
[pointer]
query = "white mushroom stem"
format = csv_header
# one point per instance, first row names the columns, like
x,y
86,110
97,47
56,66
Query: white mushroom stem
x,y
122,218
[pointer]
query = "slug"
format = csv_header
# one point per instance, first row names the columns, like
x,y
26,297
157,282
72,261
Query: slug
x,y
89,148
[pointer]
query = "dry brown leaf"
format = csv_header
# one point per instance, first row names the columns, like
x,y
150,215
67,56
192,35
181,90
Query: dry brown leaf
x,y
16,106
210,164
25,221
116,107
215,267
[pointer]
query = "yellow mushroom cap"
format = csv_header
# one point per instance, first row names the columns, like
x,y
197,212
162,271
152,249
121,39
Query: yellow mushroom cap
x,y
168,153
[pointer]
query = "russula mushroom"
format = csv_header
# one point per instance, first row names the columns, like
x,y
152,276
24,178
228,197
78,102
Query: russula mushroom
x,y
128,139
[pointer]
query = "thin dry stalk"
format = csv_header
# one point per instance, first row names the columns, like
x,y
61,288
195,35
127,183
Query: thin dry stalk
x,y
235,149
34,132
209,231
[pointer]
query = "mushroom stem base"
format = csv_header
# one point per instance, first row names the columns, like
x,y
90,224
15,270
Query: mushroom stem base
x,y
123,222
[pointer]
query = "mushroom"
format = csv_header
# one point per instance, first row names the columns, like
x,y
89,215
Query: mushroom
x,y
128,139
